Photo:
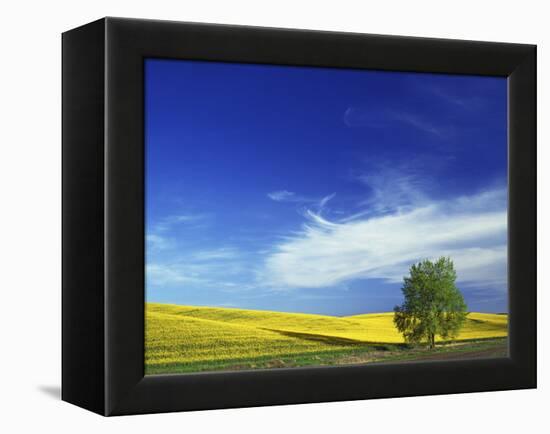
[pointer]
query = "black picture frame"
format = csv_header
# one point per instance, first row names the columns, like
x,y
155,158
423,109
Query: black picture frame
x,y
103,216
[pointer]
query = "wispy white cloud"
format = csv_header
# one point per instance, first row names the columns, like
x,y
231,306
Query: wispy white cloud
x,y
158,242
160,235
283,196
221,253
168,222
224,268
470,103
418,122
385,117
365,117
167,274
394,185
324,200
326,253
392,189
288,196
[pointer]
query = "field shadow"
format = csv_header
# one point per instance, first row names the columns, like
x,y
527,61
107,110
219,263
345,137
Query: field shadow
x,y
51,391
330,340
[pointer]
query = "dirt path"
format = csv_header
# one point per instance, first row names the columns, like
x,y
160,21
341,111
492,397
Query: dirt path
x,y
460,351
460,355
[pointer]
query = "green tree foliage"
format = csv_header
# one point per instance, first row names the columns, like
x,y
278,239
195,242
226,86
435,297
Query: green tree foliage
x,y
433,304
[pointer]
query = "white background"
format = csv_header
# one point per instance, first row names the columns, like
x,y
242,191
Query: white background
x,y
30,201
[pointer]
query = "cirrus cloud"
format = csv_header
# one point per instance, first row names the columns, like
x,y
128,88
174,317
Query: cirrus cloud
x,y
470,229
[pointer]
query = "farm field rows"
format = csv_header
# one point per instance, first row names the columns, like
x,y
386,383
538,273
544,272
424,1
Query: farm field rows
x,y
190,338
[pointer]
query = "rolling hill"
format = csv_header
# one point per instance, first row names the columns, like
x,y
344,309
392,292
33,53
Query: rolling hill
x,y
190,338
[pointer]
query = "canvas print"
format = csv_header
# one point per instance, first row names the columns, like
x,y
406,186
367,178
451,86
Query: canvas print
x,y
306,217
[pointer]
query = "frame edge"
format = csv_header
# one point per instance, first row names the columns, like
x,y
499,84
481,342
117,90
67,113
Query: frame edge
x,y
82,217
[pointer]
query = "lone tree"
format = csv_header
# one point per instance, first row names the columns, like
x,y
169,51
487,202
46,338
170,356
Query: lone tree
x,y
433,304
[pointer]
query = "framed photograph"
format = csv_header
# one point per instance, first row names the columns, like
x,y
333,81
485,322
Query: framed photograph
x,y
257,216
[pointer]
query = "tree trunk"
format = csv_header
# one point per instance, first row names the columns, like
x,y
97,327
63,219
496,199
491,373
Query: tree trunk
x,y
432,341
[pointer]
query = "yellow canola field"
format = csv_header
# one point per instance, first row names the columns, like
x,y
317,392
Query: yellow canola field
x,y
380,327
177,335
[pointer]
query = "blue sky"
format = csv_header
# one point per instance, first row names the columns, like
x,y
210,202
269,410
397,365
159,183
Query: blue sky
x,y
314,189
